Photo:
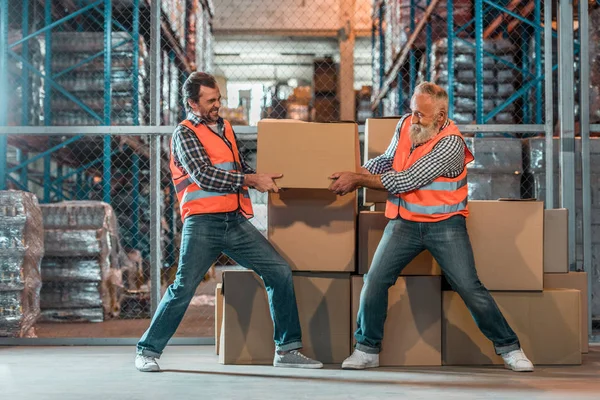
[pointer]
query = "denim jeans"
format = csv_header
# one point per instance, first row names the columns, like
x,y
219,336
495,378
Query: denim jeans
x,y
204,238
448,242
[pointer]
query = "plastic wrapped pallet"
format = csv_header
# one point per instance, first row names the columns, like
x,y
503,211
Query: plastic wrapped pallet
x,y
594,43
498,77
72,315
485,186
495,155
71,269
83,252
534,151
21,252
15,113
68,295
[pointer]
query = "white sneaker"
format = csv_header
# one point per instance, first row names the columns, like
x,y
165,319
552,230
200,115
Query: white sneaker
x,y
295,359
361,360
146,364
517,361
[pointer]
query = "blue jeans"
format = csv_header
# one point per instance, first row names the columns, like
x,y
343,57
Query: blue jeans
x,y
448,242
204,238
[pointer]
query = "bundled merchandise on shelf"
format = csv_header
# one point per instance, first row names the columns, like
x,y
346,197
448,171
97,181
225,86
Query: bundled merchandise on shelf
x,y
84,264
498,77
594,42
200,39
363,104
298,104
21,252
535,169
170,91
87,81
175,12
18,75
497,169
325,105
400,24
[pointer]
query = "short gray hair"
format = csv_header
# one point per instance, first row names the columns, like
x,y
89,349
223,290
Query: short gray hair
x,y
438,93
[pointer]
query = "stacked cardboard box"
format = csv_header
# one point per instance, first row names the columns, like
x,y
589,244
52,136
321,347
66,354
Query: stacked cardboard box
x,y
315,232
514,244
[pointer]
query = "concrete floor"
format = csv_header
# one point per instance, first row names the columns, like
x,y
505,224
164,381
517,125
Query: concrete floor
x,y
193,373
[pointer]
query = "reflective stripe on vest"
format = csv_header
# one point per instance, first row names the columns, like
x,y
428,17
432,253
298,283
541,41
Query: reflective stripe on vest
x,y
445,186
203,194
429,210
226,166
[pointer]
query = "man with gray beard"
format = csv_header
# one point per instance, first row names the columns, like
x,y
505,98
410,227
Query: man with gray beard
x,y
424,171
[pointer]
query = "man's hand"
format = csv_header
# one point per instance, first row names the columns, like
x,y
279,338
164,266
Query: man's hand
x,y
262,182
343,182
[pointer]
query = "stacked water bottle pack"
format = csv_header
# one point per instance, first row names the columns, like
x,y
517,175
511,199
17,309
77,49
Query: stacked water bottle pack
x,y
83,76
498,77
83,267
21,251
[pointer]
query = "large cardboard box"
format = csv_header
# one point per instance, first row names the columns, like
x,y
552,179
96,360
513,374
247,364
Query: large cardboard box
x,y
547,324
314,230
556,241
371,225
306,153
378,136
508,243
578,281
413,330
218,315
323,307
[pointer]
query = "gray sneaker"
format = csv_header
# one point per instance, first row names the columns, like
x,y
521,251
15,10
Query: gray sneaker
x,y
295,359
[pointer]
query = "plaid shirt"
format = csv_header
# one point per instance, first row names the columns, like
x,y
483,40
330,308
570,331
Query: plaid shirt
x,y
190,156
445,159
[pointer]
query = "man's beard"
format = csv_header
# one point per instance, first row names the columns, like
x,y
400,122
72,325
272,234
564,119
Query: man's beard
x,y
211,116
420,134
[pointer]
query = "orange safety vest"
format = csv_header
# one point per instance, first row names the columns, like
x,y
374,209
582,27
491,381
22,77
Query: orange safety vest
x,y
440,199
195,200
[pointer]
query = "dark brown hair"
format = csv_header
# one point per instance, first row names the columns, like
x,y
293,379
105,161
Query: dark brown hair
x,y
192,85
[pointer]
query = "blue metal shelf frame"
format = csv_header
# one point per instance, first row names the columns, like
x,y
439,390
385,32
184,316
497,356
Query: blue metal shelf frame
x,y
533,77
54,186
51,188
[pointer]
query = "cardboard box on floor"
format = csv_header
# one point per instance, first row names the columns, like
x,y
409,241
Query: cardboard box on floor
x,y
371,225
578,281
314,230
508,243
556,241
218,315
378,136
547,324
323,307
306,153
412,330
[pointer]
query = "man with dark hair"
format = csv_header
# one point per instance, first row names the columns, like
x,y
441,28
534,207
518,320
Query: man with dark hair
x,y
212,179
424,171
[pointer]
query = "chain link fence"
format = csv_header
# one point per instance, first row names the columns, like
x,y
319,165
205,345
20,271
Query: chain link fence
x,y
85,63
